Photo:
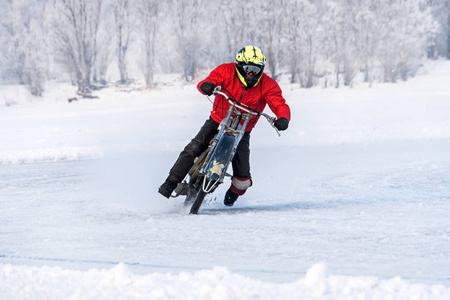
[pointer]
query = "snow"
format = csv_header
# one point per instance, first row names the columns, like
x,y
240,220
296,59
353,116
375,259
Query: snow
x,y
351,202
218,283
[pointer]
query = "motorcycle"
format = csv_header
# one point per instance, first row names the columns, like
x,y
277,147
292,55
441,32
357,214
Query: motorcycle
x,y
210,168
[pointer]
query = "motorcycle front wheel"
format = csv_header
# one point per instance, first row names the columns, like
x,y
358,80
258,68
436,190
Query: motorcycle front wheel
x,y
197,201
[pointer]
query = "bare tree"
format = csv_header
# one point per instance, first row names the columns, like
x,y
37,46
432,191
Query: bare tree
x,y
76,27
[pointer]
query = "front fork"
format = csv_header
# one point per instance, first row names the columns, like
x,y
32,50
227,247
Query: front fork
x,y
224,149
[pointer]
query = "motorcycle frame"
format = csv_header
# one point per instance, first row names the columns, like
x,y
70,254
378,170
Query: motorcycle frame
x,y
230,126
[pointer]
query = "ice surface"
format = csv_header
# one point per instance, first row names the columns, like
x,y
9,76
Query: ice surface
x,y
352,202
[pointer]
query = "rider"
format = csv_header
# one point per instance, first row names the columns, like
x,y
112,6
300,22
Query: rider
x,y
247,83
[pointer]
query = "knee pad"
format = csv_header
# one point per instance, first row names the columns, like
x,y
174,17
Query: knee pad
x,y
240,185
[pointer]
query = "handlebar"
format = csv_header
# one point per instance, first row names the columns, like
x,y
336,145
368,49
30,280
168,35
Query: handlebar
x,y
271,120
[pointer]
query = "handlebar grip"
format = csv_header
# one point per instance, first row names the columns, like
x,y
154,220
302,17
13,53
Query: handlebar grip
x,y
217,89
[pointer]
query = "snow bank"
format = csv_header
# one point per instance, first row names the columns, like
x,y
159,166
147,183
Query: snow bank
x,y
45,155
11,95
119,283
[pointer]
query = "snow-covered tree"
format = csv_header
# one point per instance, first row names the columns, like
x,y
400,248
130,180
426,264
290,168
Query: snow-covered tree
x,y
440,42
270,34
106,47
149,15
315,42
187,16
307,34
122,18
339,27
240,18
76,24
403,37
366,39
23,43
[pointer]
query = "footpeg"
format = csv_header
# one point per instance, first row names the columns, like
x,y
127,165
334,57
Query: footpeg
x,y
181,189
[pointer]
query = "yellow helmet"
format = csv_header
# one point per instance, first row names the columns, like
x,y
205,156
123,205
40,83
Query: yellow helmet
x,y
250,60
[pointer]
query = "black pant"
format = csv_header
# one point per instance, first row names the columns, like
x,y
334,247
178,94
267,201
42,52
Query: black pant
x,y
240,163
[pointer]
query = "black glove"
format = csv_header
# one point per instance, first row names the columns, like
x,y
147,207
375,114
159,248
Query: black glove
x,y
281,124
207,88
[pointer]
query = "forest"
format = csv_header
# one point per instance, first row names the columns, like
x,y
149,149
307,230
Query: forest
x,y
92,43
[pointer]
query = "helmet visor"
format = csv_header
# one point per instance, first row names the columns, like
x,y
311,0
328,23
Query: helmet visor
x,y
251,69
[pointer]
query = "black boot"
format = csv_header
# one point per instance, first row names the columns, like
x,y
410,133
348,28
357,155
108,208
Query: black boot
x,y
167,188
230,198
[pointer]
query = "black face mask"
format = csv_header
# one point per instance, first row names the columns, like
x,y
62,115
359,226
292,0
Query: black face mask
x,y
251,81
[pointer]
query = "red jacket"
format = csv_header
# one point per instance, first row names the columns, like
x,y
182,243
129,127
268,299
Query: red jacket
x,y
265,92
